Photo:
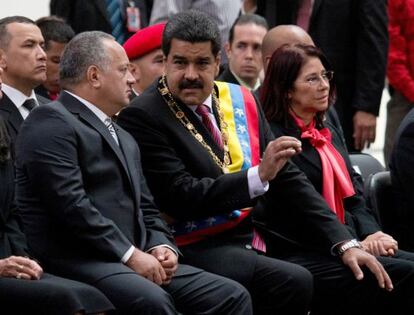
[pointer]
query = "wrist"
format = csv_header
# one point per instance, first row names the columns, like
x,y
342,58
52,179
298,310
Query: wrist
x,y
343,247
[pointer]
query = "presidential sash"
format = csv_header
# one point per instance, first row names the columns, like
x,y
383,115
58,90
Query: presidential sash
x,y
241,115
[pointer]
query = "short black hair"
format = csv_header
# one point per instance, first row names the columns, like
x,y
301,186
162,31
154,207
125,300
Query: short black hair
x,y
191,26
247,19
4,35
55,29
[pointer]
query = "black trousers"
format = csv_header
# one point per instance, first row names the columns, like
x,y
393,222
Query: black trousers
x,y
276,287
50,295
192,291
336,291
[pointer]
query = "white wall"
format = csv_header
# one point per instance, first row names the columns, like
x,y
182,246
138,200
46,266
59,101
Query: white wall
x,y
30,8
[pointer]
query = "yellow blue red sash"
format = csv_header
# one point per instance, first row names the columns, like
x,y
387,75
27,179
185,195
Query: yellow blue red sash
x,y
240,113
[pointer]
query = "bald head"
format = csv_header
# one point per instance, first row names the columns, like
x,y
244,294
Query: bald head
x,y
281,35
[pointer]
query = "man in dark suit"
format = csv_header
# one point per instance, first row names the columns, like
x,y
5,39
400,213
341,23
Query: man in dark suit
x,y
24,62
244,51
402,177
204,185
86,209
354,37
97,15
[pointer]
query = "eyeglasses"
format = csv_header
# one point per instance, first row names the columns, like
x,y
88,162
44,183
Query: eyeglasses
x,y
314,80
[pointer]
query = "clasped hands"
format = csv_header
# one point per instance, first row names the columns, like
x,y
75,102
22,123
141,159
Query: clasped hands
x,y
20,268
158,266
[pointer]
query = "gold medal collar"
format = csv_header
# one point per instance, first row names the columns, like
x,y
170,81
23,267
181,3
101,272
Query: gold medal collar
x,y
180,115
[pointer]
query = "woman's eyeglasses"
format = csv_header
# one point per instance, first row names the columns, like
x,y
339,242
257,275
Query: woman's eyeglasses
x,y
314,80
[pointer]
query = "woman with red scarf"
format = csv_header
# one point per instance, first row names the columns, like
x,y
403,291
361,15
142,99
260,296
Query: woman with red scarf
x,y
296,93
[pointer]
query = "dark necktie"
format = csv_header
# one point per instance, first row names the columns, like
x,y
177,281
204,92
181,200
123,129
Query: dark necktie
x,y
114,13
29,104
204,112
108,123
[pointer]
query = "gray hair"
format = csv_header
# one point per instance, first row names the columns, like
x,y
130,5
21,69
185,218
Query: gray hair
x,y
84,50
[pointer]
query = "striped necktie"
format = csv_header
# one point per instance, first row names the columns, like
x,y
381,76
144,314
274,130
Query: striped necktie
x,y
114,13
204,112
108,123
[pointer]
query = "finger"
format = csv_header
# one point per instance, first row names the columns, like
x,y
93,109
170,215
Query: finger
x,y
356,270
357,137
382,276
23,275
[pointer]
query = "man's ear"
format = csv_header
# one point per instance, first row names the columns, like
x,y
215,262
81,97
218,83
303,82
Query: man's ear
x,y
227,49
135,71
217,62
93,76
3,59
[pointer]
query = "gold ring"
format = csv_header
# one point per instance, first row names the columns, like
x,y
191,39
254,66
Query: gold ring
x,y
19,276
20,267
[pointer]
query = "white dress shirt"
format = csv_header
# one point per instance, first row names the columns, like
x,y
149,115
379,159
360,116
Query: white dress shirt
x,y
18,98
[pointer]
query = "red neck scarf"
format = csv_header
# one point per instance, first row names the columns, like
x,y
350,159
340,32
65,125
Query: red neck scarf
x,y
336,182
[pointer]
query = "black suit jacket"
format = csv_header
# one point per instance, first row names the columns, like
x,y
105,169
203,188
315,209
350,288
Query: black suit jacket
x,y
82,197
12,240
228,76
353,35
188,185
92,15
359,219
402,176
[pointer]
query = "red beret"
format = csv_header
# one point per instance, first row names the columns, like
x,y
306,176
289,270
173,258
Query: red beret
x,y
144,41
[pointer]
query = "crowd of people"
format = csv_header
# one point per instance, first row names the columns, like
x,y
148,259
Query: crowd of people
x,y
192,157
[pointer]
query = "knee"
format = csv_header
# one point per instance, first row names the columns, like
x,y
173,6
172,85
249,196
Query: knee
x,y
153,301
301,284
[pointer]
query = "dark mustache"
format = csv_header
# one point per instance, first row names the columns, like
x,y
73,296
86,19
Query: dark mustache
x,y
187,84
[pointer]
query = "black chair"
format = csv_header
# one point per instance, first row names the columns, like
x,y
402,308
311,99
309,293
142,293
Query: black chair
x,y
365,164
380,199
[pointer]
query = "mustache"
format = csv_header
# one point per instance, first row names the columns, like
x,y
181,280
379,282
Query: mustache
x,y
187,84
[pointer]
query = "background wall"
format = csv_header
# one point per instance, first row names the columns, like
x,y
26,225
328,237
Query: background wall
x,y
31,8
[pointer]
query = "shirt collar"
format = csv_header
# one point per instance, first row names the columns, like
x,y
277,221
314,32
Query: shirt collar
x,y
17,97
206,102
100,114
242,83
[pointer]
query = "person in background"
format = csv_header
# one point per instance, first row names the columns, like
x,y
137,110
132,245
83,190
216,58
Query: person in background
x,y
244,51
145,56
400,68
353,35
296,94
121,18
56,34
224,13
24,67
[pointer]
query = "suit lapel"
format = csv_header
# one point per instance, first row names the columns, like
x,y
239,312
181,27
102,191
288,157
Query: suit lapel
x,y
315,10
10,113
207,136
88,117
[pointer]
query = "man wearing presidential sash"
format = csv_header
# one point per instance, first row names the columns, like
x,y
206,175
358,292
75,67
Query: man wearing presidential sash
x,y
208,156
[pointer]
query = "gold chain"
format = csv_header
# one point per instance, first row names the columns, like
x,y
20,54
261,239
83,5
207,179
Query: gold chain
x,y
180,115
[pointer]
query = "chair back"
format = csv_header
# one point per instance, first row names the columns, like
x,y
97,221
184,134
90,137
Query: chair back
x,y
365,164
380,199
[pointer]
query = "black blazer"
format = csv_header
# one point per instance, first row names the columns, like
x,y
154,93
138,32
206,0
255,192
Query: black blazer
x,y
358,217
12,240
92,15
188,185
353,35
82,196
402,175
228,76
